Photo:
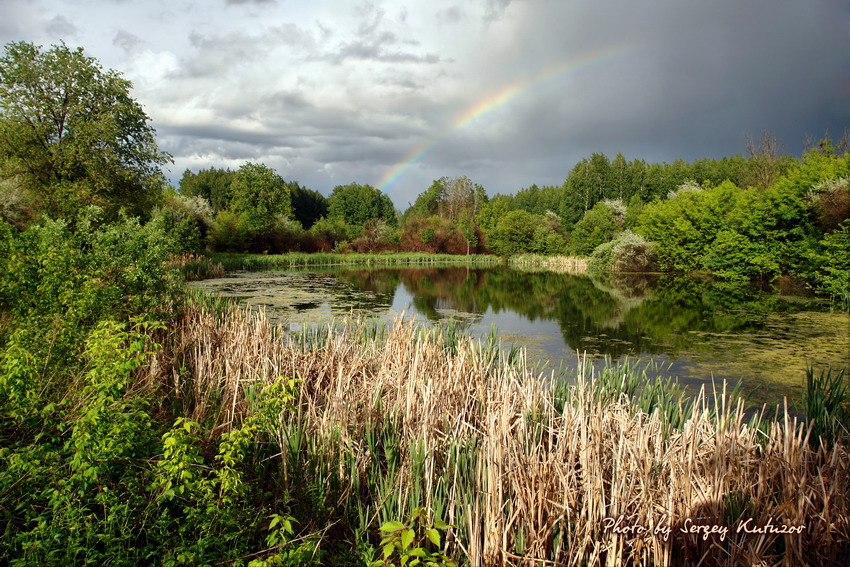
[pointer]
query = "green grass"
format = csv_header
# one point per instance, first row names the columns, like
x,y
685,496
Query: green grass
x,y
262,261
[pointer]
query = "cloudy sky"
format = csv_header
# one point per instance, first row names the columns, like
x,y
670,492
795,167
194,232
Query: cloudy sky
x,y
397,93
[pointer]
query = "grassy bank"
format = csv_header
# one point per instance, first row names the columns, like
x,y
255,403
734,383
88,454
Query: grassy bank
x,y
264,261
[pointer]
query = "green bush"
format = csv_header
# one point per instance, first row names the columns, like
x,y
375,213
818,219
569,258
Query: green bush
x,y
597,226
628,252
230,232
182,230
833,260
513,233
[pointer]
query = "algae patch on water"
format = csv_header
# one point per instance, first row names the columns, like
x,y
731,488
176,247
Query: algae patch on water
x,y
775,357
298,298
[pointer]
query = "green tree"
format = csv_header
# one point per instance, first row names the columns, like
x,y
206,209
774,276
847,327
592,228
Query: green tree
x,y
71,133
514,233
261,195
212,184
588,182
356,204
493,210
597,226
308,206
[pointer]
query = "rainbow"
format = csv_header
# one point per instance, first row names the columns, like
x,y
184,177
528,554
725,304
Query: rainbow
x,y
495,100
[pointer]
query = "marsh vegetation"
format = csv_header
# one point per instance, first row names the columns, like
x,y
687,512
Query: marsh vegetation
x,y
142,422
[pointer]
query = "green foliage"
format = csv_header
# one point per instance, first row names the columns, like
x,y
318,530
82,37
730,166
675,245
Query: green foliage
x,y
493,210
793,227
68,477
412,544
537,200
513,233
833,276
826,402
261,195
597,226
182,230
628,252
377,235
333,230
229,232
722,229
356,204
71,133
87,271
211,184
308,206
520,231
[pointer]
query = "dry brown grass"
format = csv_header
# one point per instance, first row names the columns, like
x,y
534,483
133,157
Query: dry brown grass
x,y
558,264
524,483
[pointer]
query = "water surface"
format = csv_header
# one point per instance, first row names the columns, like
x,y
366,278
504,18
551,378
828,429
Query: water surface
x,y
697,329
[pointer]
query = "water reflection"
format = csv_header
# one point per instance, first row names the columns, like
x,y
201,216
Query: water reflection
x,y
702,328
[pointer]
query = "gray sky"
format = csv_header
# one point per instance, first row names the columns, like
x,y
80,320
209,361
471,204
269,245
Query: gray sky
x,y
508,92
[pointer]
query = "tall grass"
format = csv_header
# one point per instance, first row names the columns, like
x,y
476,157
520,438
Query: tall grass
x,y
826,402
561,264
197,267
260,261
529,474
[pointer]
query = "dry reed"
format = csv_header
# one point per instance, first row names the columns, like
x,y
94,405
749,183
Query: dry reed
x,y
404,421
559,264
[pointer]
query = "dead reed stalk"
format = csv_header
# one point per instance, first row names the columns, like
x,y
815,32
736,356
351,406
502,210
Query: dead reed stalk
x,y
408,421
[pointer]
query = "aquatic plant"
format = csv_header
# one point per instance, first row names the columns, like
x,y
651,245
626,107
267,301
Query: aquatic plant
x,y
526,472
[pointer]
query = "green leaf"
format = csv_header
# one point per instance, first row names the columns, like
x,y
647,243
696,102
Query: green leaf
x,y
407,538
441,525
392,527
388,550
433,535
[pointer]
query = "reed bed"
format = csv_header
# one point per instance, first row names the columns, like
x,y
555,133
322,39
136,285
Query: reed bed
x,y
291,259
195,267
559,264
527,473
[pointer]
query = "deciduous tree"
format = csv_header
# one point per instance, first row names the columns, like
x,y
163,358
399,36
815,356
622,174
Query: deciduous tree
x,y
71,132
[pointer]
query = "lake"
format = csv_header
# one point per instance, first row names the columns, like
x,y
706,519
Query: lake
x,y
695,329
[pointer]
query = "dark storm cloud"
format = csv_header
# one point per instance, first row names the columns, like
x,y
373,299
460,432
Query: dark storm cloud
x,y
223,133
692,81
340,97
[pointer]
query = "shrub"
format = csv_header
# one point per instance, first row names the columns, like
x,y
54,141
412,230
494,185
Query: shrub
x,y
282,235
182,230
376,236
229,232
628,252
432,234
831,201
